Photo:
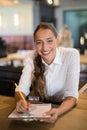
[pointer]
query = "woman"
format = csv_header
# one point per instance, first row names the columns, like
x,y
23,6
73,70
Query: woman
x,y
66,39
51,73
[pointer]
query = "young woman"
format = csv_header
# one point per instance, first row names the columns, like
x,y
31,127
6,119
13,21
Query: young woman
x,y
51,72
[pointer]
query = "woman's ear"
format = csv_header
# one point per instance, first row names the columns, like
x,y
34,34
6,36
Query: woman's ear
x,y
58,40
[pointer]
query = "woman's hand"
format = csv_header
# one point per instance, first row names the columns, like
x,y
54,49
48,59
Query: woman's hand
x,y
66,105
53,116
22,107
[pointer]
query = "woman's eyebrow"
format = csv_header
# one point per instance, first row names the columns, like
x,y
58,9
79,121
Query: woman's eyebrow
x,y
49,38
38,40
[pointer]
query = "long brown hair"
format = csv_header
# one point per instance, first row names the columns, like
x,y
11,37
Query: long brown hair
x,y
38,83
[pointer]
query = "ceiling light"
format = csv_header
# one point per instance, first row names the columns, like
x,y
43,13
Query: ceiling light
x,y
53,2
50,2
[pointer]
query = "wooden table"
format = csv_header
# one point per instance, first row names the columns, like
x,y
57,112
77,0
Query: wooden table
x,y
16,56
83,59
76,119
13,56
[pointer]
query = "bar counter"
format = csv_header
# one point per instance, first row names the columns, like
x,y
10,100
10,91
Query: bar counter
x,y
75,119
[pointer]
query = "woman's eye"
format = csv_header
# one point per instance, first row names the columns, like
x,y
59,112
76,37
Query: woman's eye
x,y
50,41
38,42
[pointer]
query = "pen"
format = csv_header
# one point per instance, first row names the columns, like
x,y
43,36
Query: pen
x,y
21,94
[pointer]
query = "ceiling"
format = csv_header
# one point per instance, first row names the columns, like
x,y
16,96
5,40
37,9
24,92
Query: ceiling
x,y
13,2
17,2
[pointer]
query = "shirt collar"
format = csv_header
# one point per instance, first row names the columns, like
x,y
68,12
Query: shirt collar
x,y
57,59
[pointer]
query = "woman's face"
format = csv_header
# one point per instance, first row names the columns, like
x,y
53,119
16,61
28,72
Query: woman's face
x,y
65,34
45,44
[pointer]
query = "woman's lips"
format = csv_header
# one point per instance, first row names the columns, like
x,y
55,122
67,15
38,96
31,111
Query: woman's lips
x,y
46,52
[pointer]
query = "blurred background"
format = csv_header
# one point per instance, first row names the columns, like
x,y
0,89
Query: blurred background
x,y
19,18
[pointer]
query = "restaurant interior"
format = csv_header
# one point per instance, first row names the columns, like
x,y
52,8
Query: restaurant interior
x,y
18,19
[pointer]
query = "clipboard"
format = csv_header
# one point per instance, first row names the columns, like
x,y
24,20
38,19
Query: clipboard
x,y
37,111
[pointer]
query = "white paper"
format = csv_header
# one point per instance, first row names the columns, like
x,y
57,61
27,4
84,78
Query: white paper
x,y
37,111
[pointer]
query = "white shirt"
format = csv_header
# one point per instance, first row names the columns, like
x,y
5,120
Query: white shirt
x,y
62,76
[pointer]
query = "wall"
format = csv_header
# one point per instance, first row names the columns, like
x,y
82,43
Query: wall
x,y
74,14
68,5
18,37
25,16
36,18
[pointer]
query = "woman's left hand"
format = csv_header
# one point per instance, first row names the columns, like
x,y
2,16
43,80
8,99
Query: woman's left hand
x,y
53,116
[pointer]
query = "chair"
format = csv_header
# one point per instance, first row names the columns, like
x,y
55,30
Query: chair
x,y
7,87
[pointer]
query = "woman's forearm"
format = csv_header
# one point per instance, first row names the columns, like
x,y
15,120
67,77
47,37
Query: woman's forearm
x,y
66,105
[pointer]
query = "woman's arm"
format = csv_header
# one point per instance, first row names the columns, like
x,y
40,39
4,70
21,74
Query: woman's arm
x,y
65,106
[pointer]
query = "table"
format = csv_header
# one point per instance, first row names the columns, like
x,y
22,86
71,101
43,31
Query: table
x,y
12,57
19,57
75,119
83,59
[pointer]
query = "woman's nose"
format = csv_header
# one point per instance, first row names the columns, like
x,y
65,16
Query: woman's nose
x,y
44,46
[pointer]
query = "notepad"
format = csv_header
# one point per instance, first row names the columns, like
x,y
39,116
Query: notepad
x,y
37,111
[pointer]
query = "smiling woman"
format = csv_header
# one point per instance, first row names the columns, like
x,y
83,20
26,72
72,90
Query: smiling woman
x,y
51,73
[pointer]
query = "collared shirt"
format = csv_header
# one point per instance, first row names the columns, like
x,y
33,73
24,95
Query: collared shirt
x,y
62,76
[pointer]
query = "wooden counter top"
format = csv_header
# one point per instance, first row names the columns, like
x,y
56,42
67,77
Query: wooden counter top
x,y
83,59
13,56
76,119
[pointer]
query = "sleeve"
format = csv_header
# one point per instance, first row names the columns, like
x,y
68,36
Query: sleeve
x,y
25,79
73,73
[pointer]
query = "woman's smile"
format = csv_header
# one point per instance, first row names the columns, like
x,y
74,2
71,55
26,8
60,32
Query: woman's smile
x,y
46,45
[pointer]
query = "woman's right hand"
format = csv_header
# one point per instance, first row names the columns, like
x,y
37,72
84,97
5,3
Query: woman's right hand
x,y
21,107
